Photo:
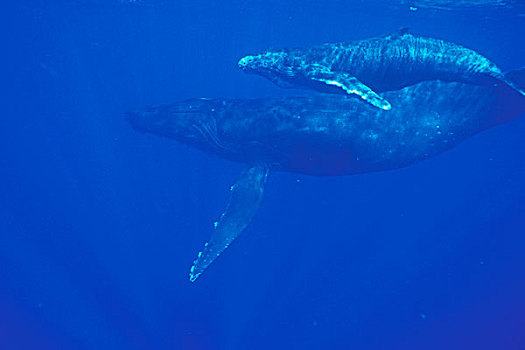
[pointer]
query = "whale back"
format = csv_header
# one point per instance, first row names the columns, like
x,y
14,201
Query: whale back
x,y
334,135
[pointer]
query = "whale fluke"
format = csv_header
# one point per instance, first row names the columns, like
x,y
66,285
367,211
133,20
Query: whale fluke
x,y
245,200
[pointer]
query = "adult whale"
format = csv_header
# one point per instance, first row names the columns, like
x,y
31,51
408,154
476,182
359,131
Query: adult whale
x,y
366,67
323,134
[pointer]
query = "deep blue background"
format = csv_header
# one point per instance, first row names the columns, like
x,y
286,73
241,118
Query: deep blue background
x,y
99,224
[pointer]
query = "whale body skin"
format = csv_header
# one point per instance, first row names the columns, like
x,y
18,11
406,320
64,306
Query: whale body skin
x,y
323,134
329,134
365,68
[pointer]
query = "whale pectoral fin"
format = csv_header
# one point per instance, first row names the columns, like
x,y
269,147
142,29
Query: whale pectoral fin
x,y
245,200
351,85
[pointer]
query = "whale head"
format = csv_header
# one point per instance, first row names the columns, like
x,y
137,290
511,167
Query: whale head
x,y
277,66
191,122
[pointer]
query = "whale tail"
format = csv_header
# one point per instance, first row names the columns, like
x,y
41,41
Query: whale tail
x,y
517,78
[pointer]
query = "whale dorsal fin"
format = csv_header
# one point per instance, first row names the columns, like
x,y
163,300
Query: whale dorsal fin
x,y
398,33
246,196
350,84
516,79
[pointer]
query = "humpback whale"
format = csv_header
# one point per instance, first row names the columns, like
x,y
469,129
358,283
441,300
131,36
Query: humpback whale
x,y
364,68
323,134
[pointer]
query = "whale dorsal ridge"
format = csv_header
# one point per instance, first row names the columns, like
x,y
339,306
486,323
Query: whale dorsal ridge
x,y
397,33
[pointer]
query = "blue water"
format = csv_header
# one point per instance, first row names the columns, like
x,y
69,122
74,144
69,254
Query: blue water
x,y
99,224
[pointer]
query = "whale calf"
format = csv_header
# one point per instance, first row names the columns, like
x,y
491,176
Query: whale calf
x,y
323,134
364,68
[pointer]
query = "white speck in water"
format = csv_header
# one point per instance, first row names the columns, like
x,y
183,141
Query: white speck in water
x,y
215,224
